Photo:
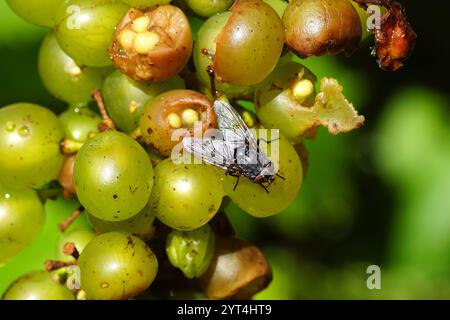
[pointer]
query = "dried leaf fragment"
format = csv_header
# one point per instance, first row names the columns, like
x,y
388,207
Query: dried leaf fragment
x,y
333,110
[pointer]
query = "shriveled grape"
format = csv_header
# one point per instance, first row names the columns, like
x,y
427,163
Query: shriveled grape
x,y
152,44
172,111
317,27
191,251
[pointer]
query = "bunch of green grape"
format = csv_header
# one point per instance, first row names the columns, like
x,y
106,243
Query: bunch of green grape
x,y
158,228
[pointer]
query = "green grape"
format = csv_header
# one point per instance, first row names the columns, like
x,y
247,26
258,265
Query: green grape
x,y
63,78
253,199
281,101
40,12
21,220
208,8
191,251
116,266
113,176
30,136
278,5
249,44
144,3
85,29
80,123
125,98
140,225
206,42
37,285
80,237
186,196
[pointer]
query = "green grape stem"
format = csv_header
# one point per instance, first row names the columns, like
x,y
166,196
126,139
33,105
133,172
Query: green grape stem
x,y
69,146
66,224
107,123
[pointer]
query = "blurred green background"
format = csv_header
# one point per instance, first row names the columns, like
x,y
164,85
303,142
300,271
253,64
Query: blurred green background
x,y
377,196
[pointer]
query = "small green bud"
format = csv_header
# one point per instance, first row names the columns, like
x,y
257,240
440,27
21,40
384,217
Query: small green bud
x,y
191,251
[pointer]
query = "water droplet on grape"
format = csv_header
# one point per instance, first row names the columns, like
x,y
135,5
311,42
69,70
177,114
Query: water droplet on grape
x,y
10,126
24,131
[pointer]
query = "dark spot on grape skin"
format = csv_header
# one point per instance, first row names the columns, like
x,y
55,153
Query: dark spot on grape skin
x,y
115,197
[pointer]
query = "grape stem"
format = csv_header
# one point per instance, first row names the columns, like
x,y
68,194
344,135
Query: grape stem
x,y
107,123
71,250
52,265
66,224
69,146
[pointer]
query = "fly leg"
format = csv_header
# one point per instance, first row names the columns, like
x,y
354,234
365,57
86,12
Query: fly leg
x,y
264,187
237,182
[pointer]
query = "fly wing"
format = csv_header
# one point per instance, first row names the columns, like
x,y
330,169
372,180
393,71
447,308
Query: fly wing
x,y
211,151
233,128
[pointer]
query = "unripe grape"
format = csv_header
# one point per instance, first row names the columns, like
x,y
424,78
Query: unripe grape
x,y
249,46
85,29
145,3
37,285
191,251
186,196
79,123
140,225
66,176
116,266
283,98
205,45
80,237
113,176
40,12
63,77
30,136
254,200
125,98
242,46
21,220
208,8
